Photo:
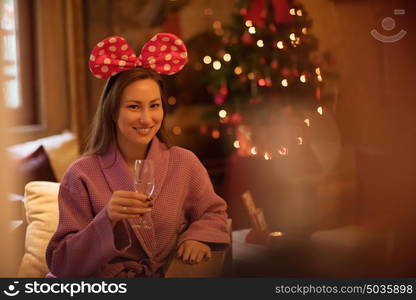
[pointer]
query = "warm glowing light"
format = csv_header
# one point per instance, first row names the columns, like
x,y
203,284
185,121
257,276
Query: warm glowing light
x,y
284,82
172,100
319,78
222,113
249,23
215,134
267,156
299,12
280,44
236,144
253,150
227,57
216,65
300,140
292,36
305,30
260,43
318,71
302,78
251,76
261,82
217,25
283,151
320,110
252,30
207,60
177,130
238,70
276,233
307,122
292,11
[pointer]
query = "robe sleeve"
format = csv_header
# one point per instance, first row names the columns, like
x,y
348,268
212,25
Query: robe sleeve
x,y
82,243
205,210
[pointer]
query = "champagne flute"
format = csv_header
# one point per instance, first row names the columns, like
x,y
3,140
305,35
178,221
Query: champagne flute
x,y
144,182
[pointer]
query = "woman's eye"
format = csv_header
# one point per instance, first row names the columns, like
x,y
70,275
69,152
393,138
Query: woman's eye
x,y
155,105
133,106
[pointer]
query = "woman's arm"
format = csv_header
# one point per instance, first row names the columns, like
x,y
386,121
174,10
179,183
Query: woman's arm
x,y
83,242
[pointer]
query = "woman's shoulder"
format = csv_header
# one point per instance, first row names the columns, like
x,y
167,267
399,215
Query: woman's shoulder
x,y
182,154
82,166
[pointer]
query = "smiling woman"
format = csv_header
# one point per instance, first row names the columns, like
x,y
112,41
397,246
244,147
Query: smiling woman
x,y
99,209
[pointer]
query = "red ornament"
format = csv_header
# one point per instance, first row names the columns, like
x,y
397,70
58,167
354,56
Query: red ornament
x,y
285,72
262,60
219,99
247,39
236,118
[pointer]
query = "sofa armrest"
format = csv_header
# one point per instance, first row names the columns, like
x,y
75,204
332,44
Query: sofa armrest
x,y
217,266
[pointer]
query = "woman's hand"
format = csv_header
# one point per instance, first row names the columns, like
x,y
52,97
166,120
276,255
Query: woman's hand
x,y
127,205
193,251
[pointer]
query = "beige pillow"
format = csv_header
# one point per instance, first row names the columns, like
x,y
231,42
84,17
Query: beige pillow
x,y
41,205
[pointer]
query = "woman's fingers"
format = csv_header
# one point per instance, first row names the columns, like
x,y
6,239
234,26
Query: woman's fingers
x,y
186,253
180,251
126,210
200,256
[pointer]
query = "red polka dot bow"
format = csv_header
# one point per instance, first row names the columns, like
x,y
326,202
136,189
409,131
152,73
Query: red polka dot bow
x,y
165,53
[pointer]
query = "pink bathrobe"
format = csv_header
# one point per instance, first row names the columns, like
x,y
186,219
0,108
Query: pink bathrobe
x,y
185,207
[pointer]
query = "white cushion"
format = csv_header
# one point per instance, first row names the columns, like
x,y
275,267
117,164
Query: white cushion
x,y
41,205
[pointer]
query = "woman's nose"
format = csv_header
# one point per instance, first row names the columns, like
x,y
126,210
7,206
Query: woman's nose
x,y
145,116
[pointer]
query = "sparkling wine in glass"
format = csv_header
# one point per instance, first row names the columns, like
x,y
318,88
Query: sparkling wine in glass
x,y
144,182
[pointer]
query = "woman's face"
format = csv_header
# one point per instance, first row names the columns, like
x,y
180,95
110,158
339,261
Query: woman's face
x,y
140,114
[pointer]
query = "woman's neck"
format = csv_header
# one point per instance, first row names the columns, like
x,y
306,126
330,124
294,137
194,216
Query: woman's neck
x,y
132,152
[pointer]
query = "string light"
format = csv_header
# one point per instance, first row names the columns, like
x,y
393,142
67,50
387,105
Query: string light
x,y
284,83
320,110
302,78
216,65
261,82
307,122
207,60
319,77
217,25
260,43
252,30
251,76
299,12
177,130
238,70
267,156
172,100
253,150
292,11
292,36
305,30
227,57
300,140
249,23
318,71
236,144
222,113
283,151
280,45
215,134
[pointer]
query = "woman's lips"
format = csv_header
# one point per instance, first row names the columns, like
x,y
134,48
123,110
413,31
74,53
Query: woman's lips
x,y
143,131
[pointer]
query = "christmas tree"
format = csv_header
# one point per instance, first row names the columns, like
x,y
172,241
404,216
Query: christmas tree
x,y
262,78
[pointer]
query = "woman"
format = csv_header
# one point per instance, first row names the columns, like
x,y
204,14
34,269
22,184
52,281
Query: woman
x,y
97,233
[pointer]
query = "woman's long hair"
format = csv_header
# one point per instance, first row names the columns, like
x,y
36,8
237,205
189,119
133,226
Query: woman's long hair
x,y
103,129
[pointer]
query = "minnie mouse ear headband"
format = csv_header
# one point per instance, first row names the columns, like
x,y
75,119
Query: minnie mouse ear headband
x,y
164,53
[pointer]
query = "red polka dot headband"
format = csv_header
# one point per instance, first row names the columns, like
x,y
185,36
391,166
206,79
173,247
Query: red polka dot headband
x,y
165,53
